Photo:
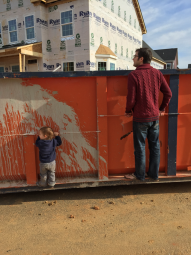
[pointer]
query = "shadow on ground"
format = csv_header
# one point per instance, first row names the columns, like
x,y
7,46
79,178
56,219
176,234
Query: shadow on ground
x,y
94,193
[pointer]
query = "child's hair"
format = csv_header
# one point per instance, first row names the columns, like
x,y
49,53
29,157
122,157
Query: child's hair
x,y
48,132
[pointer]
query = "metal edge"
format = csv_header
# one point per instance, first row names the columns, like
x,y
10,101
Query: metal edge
x,y
95,184
85,73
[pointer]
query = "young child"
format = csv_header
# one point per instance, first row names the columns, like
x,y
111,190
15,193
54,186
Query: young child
x,y
47,142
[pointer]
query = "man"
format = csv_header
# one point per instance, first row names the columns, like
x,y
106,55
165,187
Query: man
x,y
144,85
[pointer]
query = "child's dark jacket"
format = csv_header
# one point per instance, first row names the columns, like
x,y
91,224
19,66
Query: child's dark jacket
x,y
47,151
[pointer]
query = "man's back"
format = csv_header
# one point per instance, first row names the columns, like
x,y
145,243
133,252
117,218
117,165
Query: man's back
x,y
144,85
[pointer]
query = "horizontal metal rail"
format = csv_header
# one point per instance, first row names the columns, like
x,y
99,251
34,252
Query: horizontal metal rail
x,y
163,114
59,133
85,73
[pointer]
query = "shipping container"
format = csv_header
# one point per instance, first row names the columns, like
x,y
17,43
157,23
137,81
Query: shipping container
x,y
88,110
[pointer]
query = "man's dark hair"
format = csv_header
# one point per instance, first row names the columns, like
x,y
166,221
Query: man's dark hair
x,y
146,54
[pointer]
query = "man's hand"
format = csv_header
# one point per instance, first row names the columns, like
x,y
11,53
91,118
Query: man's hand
x,y
129,114
161,113
56,133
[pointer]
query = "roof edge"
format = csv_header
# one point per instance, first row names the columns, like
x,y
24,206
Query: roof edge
x,y
105,56
158,60
139,16
135,3
51,2
25,46
107,51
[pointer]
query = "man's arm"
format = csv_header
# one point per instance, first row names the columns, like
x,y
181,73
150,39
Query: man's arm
x,y
167,94
131,95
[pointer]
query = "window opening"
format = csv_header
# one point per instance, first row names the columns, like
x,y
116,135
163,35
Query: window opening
x,y
112,66
168,66
101,66
13,30
29,24
68,66
66,23
32,61
15,69
1,69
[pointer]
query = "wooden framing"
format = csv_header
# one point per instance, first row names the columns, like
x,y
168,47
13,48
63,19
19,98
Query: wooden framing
x,y
20,63
31,46
139,16
31,53
50,3
34,50
24,58
38,3
158,61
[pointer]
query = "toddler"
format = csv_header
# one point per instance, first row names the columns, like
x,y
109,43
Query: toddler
x,y
47,142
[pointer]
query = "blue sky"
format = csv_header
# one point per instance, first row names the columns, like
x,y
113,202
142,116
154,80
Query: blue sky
x,y
168,24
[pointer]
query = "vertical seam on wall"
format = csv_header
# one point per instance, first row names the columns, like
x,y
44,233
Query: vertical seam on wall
x,y
172,125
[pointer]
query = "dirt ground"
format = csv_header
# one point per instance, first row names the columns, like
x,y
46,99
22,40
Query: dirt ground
x,y
138,219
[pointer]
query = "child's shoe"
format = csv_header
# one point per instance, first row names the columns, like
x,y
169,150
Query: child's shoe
x,y
51,187
40,185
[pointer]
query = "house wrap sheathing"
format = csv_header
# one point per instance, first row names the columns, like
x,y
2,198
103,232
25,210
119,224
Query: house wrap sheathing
x,y
116,26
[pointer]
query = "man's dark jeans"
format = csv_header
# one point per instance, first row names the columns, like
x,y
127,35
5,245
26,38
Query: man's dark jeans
x,y
141,131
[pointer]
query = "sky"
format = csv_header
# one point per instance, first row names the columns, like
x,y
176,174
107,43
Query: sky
x,y
168,24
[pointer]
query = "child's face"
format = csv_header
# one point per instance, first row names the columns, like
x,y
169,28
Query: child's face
x,y
42,137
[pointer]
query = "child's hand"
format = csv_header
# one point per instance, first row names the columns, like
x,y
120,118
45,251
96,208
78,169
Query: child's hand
x,y
56,133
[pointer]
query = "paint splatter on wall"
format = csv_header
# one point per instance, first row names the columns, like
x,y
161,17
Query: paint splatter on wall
x,y
25,107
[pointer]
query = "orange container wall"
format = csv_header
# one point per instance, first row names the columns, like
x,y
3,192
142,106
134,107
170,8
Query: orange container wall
x,y
88,112
184,123
67,105
70,106
121,152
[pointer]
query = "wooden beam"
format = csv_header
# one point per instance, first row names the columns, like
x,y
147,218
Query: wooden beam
x,y
159,61
39,3
34,1
12,51
20,62
25,46
139,16
59,2
36,47
31,53
50,1
8,55
23,63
